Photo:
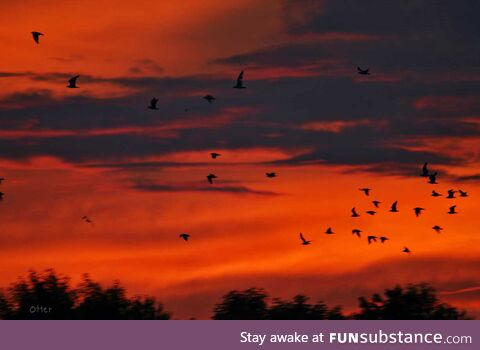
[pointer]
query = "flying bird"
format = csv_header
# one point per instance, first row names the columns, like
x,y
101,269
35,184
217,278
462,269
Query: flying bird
x,y
406,250
371,238
418,211
376,203
304,241
72,83
363,71
87,220
383,239
452,210
184,236
394,208
209,98
462,193
1,196
425,172
215,155
354,213
432,178
437,229
329,231
365,190
210,178
36,36
356,232
451,194
371,212
271,174
435,194
153,103
239,84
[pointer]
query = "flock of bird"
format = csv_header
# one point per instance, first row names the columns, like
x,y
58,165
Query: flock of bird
x,y
432,179
432,176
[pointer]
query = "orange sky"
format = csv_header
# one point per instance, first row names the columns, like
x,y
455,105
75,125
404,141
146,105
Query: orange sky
x,y
246,235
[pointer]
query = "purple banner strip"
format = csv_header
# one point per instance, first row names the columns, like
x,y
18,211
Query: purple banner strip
x,y
233,335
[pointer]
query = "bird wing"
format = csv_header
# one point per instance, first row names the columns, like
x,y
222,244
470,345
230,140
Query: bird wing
x,y
73,80
302,238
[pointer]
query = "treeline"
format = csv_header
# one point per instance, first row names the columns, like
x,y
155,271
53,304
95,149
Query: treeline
x,y
49,296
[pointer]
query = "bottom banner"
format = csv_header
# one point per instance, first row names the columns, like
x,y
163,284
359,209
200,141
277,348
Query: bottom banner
x,y
149,335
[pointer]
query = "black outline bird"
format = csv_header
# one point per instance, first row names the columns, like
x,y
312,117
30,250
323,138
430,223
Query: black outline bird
x,y
1,196
153,103
451,194
365,190
451,210
371,238
36,36
304,241
329,231
406,250
394,207
463,193
437,229
354,213
87,220
209,98
356,232
215,155
371,212
376,203
418,211
72,83
383,239
436,194
184,236
425,171
432,178
271,175
210,178
239,84
363,71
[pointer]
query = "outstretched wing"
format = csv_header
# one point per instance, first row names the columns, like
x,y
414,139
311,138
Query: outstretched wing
x,y
73,80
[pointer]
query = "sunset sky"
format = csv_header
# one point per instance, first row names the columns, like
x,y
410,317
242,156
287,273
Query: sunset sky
x,y
306,114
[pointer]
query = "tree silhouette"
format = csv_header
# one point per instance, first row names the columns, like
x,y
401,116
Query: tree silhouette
x,y
415,302
48,296
299,309
242,305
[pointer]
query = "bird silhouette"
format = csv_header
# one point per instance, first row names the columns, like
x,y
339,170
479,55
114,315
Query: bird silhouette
x,y
451,194
329,231
304,241
354,213
383,239
418,211
437,229
210,178
1,196
1,180
87,220
356,232
215,155
184,236
363,71
425,172
153,103
371,212
451,210
432,179
365,190
376,203
239,84
394,208
435,194
36,36
271,174
371,239
209,98
406,250
72,83
462,193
